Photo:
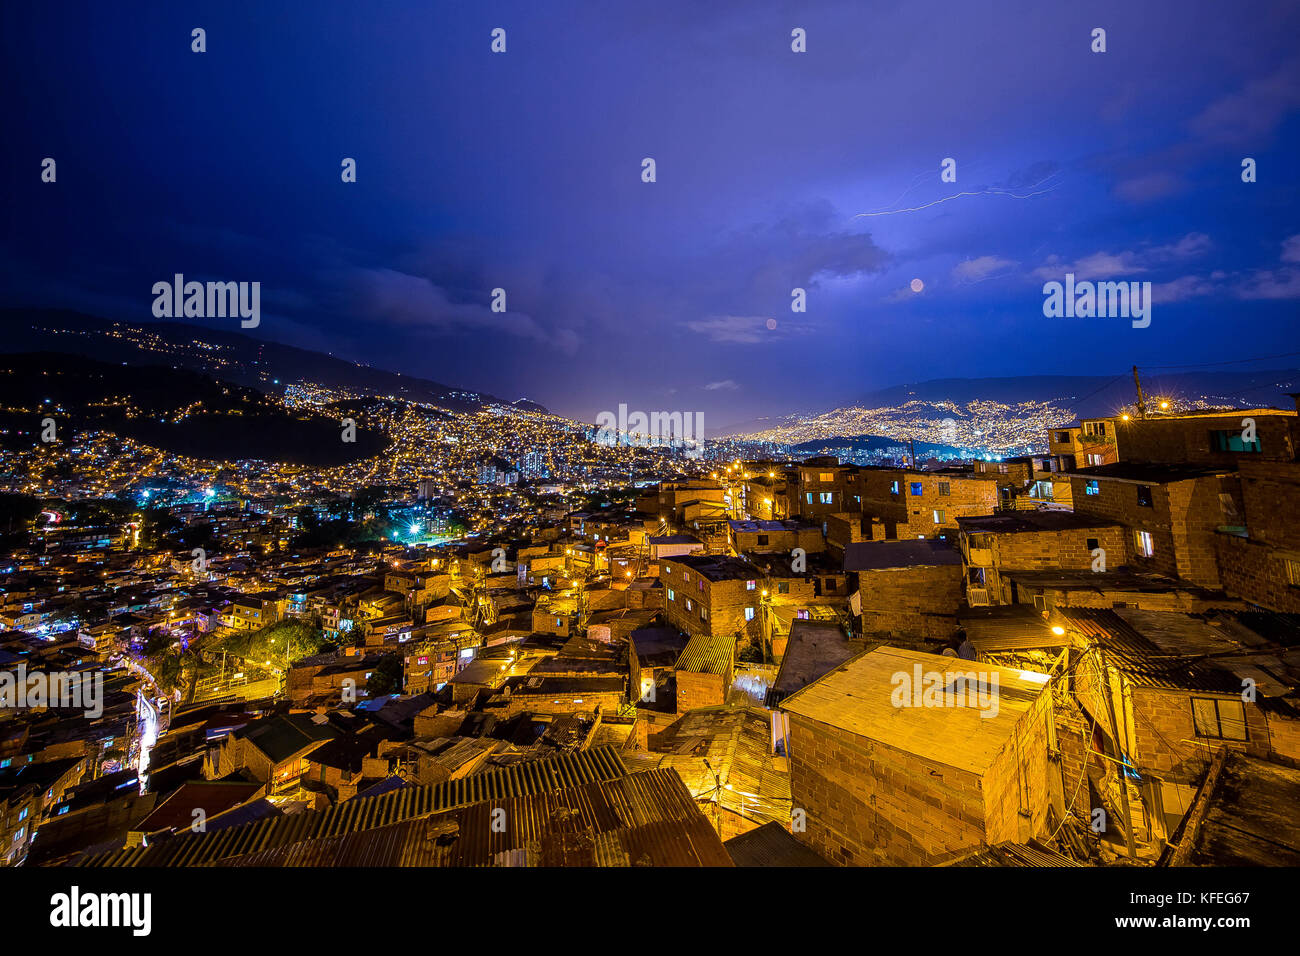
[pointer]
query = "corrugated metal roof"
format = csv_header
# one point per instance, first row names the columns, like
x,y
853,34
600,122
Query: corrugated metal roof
x,y
639,819
706,654
366,813
1142,660
1014,854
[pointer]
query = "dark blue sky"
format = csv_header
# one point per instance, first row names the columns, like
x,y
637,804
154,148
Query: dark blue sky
x,y
523,171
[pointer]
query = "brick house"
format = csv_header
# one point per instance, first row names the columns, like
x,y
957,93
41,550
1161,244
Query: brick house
x,y
1087,443
1172,513
876,784
1260,561
993,545
907,588
712,594
705,671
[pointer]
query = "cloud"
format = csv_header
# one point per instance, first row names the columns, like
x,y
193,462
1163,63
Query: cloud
x,y
726,385
1291,249
1097,265
1252,113
978,269
1187,287
402,299
1108,265
744,329
1271,284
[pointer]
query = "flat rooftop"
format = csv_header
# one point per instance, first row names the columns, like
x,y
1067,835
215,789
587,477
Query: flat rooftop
x,y
1020,522
857,697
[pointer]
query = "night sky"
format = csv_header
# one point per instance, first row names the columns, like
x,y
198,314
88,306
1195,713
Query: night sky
x,y
522,170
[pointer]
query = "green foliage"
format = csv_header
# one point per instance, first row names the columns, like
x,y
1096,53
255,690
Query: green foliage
x,y
386,678
281,643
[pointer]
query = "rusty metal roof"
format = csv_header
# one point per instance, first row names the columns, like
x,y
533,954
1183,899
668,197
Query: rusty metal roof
x,y
1142,660
639,819
367,813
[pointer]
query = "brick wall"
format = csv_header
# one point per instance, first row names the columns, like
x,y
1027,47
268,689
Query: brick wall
x,y
695,689
1255,572
867,804
919,602
1188,439
1183,520
1270,493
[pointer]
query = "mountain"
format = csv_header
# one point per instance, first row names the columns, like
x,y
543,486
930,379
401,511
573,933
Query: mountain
x,y
173,409
1096,395
230,356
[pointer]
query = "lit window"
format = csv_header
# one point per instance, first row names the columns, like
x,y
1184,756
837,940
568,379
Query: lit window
x,y
940,517
671,595
1092,488
1145,545
916,489
828,497
749,585
1293,572
893,487
749,614
1144,496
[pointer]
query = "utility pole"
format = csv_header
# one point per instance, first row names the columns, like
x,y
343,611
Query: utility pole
x,y
1142,402
1114,729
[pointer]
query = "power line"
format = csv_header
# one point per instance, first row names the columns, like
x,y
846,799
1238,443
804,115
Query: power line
x,y
1229,362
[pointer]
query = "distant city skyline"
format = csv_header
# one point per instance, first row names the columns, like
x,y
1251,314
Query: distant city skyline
x,y
775,170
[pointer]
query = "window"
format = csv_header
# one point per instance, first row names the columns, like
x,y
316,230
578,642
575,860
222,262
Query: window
x,y
916,489
945,488
1093,460
1094,428
1219,719
1145,546
893,487
750,585
686,577
1144,496
690,605
782,587
831,584
762,539
671,595
810,494
940,517
22,814
826,476
749,614
1092,488
668,569
1292,572
827,497
1062,438
1230,440
558,622
704,613
801,615
699,585
1002,469
1091,544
